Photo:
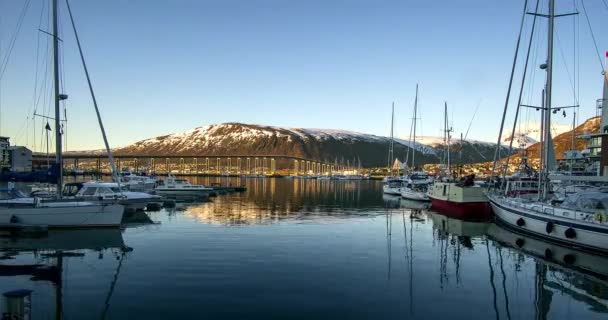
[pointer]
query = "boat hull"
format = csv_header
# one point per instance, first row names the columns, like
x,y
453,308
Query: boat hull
x,y
414,195
85,216
586,235
469,211
391,190
183,193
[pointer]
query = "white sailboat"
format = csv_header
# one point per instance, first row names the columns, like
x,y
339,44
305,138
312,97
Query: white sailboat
x,y
392,183
62,214
416,183
579,221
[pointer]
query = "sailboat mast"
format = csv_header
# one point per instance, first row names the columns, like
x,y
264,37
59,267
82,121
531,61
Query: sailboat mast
x,y
415,118
58,156
390,149
547,118
447,137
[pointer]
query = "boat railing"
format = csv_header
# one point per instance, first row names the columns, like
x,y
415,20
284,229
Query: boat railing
x,y
578,215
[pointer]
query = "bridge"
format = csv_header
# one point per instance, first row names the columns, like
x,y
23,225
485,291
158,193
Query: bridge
x,y
196,164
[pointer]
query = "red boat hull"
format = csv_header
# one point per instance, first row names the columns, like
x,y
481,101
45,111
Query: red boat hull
x,y
469,211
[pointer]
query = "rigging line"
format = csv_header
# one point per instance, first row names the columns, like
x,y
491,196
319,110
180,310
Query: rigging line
x,y
605,4
597,50
504,113
561,51
86,71
13,40
521,89
471,122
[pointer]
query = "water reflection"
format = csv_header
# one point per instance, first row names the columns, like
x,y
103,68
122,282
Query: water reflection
x,y
298,200
303,249
44,259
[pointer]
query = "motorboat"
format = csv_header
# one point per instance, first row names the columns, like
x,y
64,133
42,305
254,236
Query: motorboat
x,y
182,189
110,191
137,183
415,186
393,186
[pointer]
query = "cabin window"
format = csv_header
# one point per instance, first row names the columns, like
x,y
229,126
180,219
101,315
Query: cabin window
x,y
89,191
105,191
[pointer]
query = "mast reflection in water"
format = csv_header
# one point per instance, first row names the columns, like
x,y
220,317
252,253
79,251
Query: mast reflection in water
x,y
302,249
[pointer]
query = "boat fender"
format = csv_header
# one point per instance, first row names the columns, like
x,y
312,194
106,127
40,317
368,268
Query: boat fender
x,y
569,259
570,233
520,242
520,222
549,227
14,219
548,253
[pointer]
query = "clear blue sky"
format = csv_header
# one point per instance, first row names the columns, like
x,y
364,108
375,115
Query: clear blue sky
x,y
160,67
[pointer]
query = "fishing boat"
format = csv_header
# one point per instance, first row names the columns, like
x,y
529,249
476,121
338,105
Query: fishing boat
x,y
578,221
460,199
60,213
182,189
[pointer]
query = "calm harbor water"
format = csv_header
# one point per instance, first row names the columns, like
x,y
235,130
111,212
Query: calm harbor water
x,y
303,249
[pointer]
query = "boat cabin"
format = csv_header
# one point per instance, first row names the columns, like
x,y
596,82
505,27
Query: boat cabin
x,y
521,187
92,189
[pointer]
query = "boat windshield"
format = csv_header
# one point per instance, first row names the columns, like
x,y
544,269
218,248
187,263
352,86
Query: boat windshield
x,y
7,194
419,176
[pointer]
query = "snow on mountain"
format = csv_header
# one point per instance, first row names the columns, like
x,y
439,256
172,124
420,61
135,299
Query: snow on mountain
x,y
522,140
329,144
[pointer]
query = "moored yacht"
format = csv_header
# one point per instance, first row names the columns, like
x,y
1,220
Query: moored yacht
x,y
181,188
415,186
393,186
580,219
110,191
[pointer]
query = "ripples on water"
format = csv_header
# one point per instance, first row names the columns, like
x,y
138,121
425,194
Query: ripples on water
x,y
301,249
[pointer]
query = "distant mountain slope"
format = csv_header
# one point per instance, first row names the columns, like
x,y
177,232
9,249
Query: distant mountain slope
x,y
321,144
563,141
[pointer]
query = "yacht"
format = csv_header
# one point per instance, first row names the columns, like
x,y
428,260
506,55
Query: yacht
x,y
181,188
137,183
110,191
393,186
415,186
580,219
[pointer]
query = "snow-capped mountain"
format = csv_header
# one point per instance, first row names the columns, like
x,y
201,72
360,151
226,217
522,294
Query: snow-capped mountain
x,y
522,140
322,144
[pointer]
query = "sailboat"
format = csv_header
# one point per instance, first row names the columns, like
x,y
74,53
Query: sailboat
x,y
463,200
416,183
580,220
392,183
60,213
